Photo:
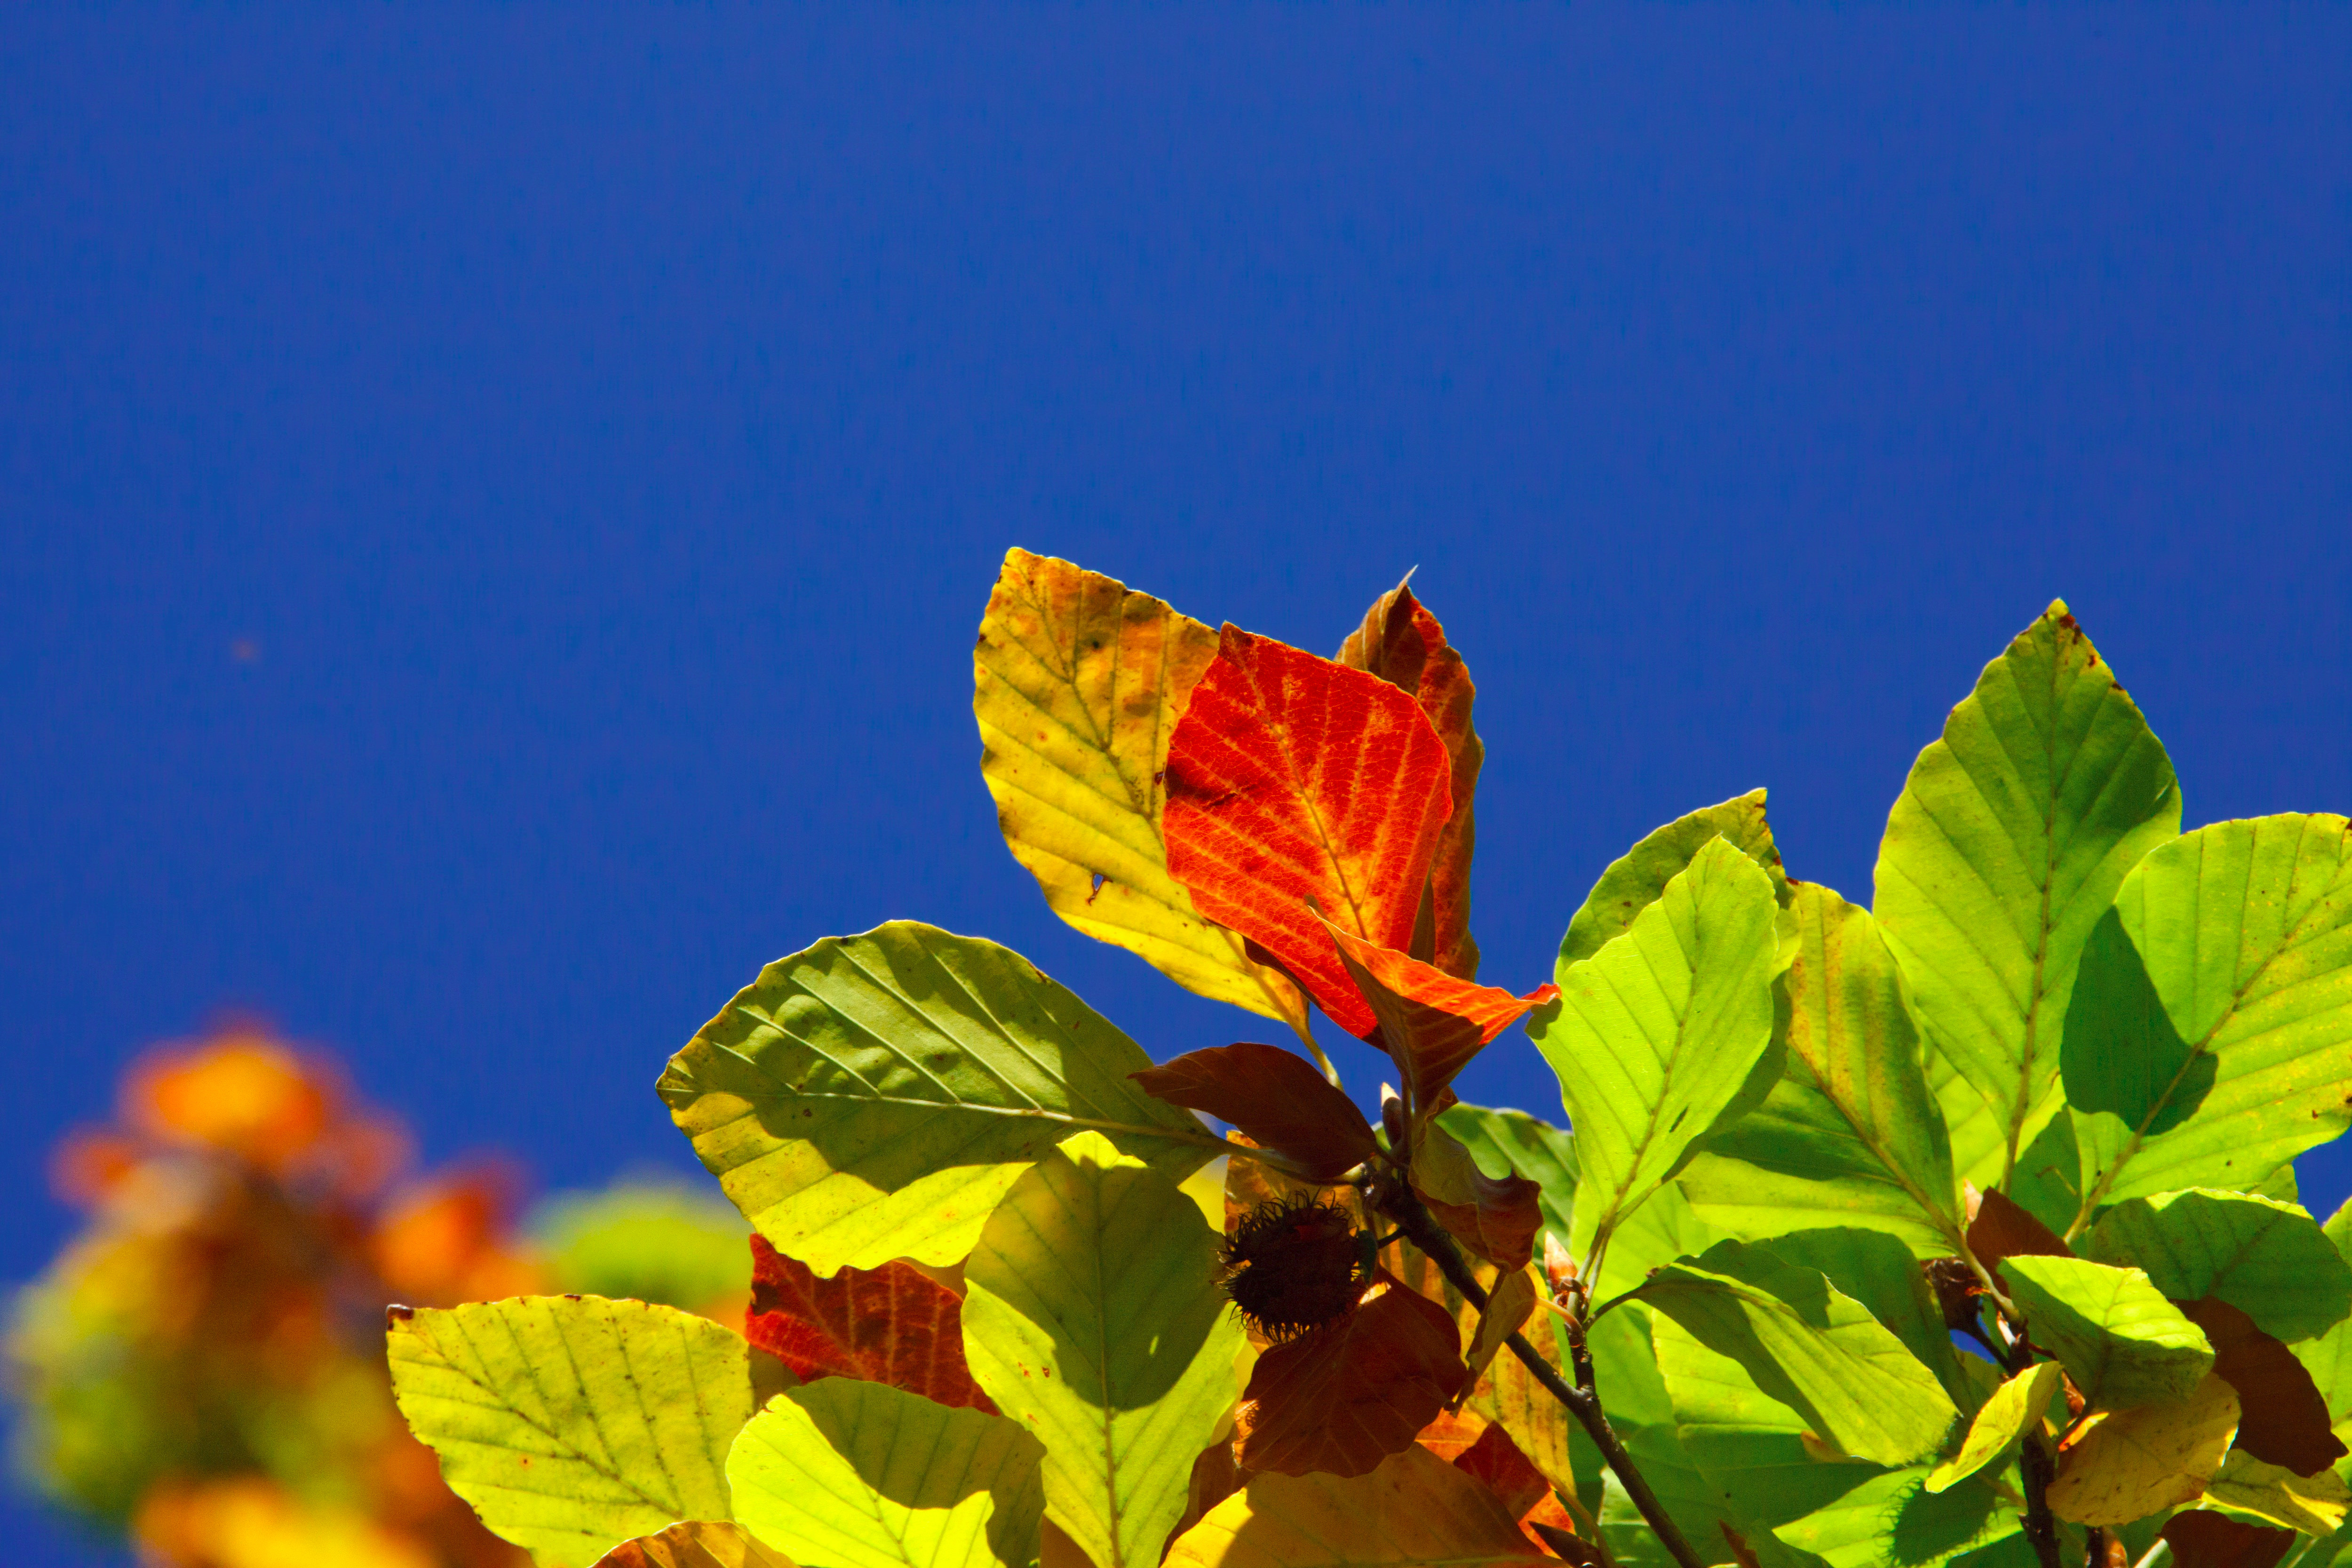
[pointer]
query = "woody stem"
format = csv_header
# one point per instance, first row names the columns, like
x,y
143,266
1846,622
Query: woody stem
x,y
1394,1196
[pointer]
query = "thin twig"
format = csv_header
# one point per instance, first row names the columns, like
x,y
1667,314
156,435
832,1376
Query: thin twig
x,y
2040,1469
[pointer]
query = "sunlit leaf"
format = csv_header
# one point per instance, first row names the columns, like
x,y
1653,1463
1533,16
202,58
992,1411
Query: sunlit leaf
x,y
1512,1142
860,1475
2126,1464
2120,1341
1401,643
1656,1036
2269,1259
892,1324
2215,1036
1510,1397
701,1543
1077,684
2203,1540
874,1097
1343,1397
574,1424
1292,778
1274,1097
1431,1024
1508,1306
2014,1409
2314,1504
1093,1317
1414,1511
1633,881
1877,1271
1851,1133
2008,842
2283,1417
1810,1346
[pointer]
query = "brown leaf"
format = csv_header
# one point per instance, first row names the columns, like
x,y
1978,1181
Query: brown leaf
x,y
890,1324
1430,1023
1343,1397
1275,1098
1566,1545
1452,1433
1495,1459
1499,1223
2002,1228
2284,1418
2202,1539
1403,643
696,1544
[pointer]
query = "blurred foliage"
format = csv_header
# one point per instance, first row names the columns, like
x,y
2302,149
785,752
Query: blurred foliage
x,y
202,1367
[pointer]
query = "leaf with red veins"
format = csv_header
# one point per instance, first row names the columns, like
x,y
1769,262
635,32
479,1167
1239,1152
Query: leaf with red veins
x,y
1279,1102
892,1324
1430,1023
1401,643
1343,1397
2283,1418
1290,779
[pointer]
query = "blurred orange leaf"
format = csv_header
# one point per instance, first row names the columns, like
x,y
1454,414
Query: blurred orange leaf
x,y
240,1092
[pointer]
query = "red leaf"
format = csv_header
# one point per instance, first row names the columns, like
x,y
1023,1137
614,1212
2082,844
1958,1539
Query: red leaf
x,y
892,1324
1274,1097
2202,1539
1430,1023
1401,643
2283,1419
1495,1459
1346,1396
2003,1229
1292,778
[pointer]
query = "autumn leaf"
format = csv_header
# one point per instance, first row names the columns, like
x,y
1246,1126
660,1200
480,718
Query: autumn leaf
x,y
892,1324
1495,1217
1291,778
1274,1097
2200,1539
699,1543
1343,1397
2002,1228
1414,1511
2284,1419
1403,643
1430,1023
2126,1465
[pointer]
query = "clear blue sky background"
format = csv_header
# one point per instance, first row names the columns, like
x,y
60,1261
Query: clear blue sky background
x,y
605,426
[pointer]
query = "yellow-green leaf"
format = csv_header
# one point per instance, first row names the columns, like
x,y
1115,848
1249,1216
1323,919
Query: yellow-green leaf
x,y
874,1097
2120,1341
1078,683
2267,1258
2008,842
1092,1317
2013,1411
2128,1464
572,1424
2314,1505
848,1474
1414,1512
1633,881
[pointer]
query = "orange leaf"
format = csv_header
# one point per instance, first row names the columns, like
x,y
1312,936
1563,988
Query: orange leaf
x,y
2202,1539
891,1324
1291,778
1274,1097
1495,1459
1345,1396
697,1544
240,1092
1430,1023
2282,1419
1401,643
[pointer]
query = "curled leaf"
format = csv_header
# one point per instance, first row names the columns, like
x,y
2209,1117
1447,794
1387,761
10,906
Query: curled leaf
x,y
1343,1397
1274,1097
1430,1023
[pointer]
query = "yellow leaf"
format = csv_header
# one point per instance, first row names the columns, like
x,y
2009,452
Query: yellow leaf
x,y
2314,1505
1415,1511
2127,1464
1077,685
1526,1410
2015,1408
1508,1306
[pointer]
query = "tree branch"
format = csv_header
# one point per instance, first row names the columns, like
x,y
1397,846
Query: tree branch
x,y
2039,1468
1393,1196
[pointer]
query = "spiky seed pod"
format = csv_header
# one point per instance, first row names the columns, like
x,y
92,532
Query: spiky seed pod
x,y
1295,1265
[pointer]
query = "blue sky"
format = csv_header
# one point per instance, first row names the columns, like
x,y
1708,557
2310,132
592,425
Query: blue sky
x,y
600,430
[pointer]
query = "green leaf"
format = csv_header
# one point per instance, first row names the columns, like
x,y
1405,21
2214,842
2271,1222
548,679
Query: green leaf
x,y
2121,1342
2214,1036
1634,881
2268,1259
1092,1316
1513,1144
875,1097
1851,1134
1878,1272
1810,1346
1656,1036
1664,1228
2009,841
2329,1358
572,1424
850,1474
2011,1412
